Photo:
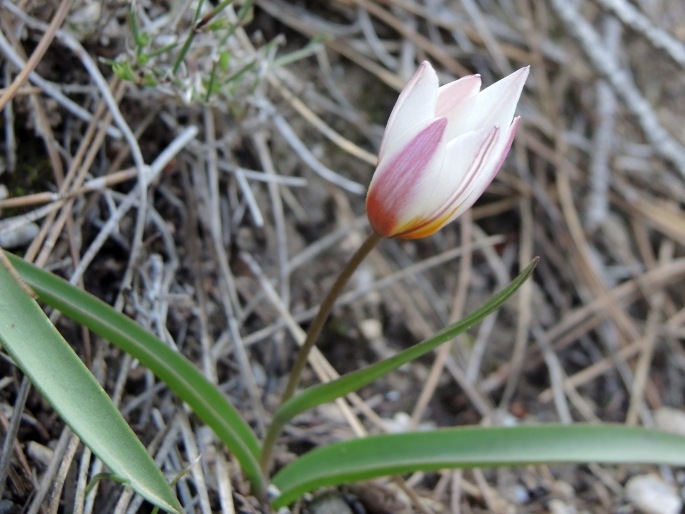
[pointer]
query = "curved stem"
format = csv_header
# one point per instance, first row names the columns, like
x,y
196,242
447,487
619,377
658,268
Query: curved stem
x,y
324,310
312,335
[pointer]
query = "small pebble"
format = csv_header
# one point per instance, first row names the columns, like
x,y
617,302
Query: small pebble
x,y
371,329
651,495
670,420
516,493
7,507
398,424
401,422
561,507
563,490
19,236
329,503
393,395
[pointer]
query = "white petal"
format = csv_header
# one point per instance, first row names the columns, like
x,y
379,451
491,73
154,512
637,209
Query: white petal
x,y
458,120
452,94
487,172
456,101
494,106
420,203
461,161
398,180
415,107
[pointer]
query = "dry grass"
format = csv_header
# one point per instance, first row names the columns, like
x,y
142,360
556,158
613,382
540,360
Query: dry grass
x,y
222,241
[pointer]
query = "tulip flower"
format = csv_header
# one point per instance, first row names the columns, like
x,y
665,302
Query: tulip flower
x,y
441,149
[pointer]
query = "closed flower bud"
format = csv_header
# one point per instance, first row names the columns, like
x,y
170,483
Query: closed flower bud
x,y
441,149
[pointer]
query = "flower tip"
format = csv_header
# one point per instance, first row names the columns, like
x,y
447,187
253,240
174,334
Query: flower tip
x,y
425,67
518,77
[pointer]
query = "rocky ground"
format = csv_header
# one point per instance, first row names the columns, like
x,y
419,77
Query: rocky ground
x,y
289,100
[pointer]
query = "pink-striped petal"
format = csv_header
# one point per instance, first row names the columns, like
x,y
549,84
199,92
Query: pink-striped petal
x,y
463,162
488,171
397,180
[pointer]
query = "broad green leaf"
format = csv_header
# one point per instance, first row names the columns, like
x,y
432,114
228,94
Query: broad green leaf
x,y
470,447
56,371
353,381
173,369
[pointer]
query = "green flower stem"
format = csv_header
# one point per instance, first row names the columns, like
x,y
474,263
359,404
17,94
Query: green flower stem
x,y
312,335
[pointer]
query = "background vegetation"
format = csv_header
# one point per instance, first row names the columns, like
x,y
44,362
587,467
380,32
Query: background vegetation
x,y
222,244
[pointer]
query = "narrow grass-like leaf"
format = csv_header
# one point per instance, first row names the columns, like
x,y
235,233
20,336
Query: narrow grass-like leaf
x,y
207,18
323,393
469,447
172,368
57,372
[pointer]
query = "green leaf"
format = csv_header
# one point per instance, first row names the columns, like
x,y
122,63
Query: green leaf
x,y
353,381
141,39
172,368
56,371
469,447
124,71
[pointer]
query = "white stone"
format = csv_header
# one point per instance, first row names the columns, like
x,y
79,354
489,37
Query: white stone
x,y
670,420
371,329
557,506
652,495
18,236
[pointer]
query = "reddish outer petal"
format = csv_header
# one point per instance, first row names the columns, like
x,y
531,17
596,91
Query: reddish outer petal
x,y
395,182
